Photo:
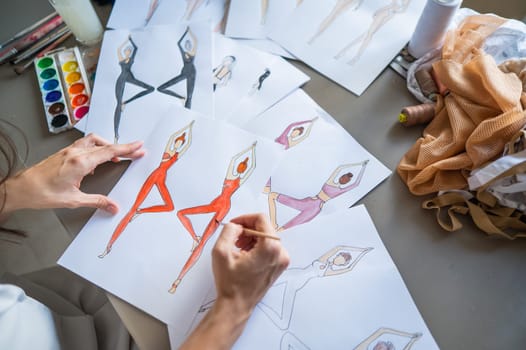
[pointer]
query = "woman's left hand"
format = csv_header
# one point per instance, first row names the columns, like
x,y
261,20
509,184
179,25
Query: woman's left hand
x,y
55,181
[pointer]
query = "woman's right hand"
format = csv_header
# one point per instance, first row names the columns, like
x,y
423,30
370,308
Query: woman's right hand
x,y
244,269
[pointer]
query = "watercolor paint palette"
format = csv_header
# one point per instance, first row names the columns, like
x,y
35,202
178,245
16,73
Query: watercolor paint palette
x,y
64,87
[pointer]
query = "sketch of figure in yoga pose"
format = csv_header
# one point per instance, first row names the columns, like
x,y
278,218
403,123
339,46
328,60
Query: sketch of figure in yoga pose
x,y
290,342
310,207
126,53
337,261
258,84
175,148
239,170
188,72
223,72
383,339
338,9
295,133
380,17
154,4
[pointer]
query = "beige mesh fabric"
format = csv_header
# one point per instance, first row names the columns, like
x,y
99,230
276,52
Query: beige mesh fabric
x,y
474,121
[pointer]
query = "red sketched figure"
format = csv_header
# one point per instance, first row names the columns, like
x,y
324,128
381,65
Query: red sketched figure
x,y
175,148
240,168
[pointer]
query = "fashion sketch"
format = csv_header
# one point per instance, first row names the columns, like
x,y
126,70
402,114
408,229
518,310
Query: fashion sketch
x,y
126,54
337,261
223,72
380,17
338,9
188,72
379,340
191,7
264,10
239,170
259,83
154,4
340,182
295,133
176,146
290,342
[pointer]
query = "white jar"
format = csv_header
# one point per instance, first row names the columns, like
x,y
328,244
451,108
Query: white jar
x,y
80,17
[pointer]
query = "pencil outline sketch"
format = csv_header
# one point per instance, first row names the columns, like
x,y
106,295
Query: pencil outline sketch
x,y
380,17
337,10
387,345
336,261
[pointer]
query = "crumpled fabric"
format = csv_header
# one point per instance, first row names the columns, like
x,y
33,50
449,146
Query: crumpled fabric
x,y
474,120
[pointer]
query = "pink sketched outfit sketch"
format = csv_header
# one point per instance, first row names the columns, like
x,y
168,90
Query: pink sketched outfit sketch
x,y
188,72
126,53
380,17
336,261
310,207
239,170
380,340
295,132
175,148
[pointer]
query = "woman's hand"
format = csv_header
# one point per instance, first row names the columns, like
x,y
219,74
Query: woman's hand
x,y
55,181
245,267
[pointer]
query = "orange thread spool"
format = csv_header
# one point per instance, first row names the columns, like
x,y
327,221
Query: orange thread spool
x,y
416,115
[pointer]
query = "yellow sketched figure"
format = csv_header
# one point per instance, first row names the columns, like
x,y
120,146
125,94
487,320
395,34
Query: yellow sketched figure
x,y
339,8
380,17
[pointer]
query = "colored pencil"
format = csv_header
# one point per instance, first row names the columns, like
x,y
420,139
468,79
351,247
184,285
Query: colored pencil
x,y
255,233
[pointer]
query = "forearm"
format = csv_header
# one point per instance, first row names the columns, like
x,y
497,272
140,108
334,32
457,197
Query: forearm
x,y
13,196
220,328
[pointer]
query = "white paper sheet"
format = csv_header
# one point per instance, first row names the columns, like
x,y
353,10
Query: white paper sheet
x,y
349,41
316,148
277,80
141,265
327,299
252,19
158,60
237,68
131,14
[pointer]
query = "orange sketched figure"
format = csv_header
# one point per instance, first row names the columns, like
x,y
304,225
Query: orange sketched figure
x,y
175,148
240,168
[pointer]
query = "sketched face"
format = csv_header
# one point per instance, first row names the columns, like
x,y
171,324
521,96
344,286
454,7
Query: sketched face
x,y
127,52
342,259
229,60
345,178
188,45
242,167
296,132
382,345
180,141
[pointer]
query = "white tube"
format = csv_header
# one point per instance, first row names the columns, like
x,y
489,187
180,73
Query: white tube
x,y
432,26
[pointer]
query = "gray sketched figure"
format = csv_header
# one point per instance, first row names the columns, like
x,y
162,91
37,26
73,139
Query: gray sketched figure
x,y
126,53
188,72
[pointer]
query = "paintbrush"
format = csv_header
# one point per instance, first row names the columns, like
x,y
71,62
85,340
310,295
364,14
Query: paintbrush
x,y
255,233
20,68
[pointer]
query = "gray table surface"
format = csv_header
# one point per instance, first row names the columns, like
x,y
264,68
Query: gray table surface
x,y
470,289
